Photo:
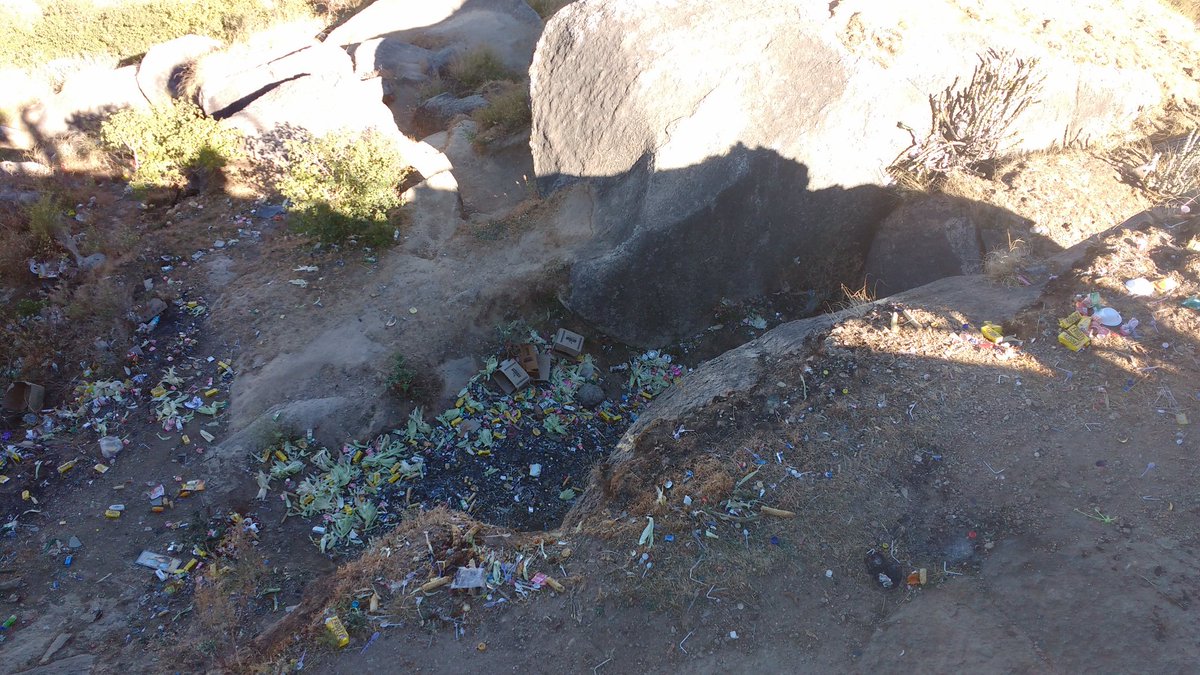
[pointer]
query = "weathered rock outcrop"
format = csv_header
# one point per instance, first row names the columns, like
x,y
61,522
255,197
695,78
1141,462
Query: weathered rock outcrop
x,y
230,81
509,28
160,75
492,182
294,84
732,149
435,114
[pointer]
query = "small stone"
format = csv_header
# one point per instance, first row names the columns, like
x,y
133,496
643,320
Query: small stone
x,y
54,647
220,243
92,261
590,395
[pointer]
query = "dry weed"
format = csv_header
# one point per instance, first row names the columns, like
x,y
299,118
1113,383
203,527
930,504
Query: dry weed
x,y
1003,264
1188,8
226,597
855,301
1173,173
970,125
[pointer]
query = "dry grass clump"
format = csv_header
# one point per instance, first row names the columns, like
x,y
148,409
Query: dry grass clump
x,y
855,300
1003,264
969,125
226,599
478,67
507,111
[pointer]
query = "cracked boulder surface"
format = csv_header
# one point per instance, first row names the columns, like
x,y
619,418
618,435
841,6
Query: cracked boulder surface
x,y
711,135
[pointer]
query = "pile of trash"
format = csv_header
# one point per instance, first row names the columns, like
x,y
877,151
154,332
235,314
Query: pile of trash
x,y
445,567
1093,320
515,450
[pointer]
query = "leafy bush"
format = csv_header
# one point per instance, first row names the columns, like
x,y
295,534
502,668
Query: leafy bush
x,y
342,186
171,143
72,28
478,67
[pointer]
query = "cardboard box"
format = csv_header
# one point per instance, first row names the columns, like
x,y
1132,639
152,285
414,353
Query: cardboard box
x,y
527,357
568,343
544,366
511,376
24,396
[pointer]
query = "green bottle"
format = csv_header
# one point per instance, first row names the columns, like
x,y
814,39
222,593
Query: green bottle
x,y
9,622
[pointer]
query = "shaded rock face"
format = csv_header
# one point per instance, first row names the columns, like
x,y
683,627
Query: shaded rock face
x,y
732,149
923,241
671,245
934,237
491,183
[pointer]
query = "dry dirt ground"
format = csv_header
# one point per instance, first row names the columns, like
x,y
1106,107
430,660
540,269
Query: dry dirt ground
x,y
1021,481
1047,494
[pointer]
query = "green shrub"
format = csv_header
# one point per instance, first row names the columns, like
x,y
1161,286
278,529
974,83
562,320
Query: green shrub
x,y
73,28
44,216
507,111
478,67
342,186
403,378
170,143
27,307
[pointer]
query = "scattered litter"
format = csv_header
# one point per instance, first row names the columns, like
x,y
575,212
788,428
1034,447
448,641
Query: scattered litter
x,y
1140,286
158,561
337,631
110,447
469,577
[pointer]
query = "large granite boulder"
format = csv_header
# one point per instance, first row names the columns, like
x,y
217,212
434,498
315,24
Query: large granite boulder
x,y
86,98
160,74
230,81
736,149
510,28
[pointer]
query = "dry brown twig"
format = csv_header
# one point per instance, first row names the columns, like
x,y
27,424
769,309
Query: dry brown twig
x,y
970,125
